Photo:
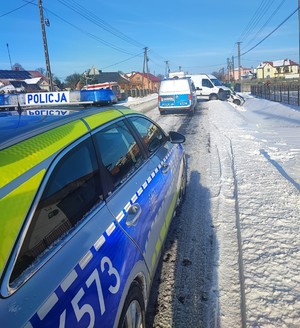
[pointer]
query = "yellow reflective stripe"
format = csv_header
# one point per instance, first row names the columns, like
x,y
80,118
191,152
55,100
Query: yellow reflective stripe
x,y
18,159
101,118
163,231
13,208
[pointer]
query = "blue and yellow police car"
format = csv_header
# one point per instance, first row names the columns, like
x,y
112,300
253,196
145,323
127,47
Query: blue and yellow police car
x,y
86,200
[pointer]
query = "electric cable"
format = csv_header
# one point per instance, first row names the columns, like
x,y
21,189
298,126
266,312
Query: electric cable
x,y
244,53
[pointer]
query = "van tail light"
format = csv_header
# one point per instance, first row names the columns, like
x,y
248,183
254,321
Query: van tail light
x,y
159,98
190,96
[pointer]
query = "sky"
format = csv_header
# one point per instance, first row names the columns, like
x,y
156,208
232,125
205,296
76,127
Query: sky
x,y
194,36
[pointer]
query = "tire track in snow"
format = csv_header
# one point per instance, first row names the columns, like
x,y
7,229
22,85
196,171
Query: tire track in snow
x,y
229,265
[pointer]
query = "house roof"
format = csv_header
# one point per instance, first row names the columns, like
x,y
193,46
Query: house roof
x,y
149,76
284,62
278,63
33,80
27,87
35,74
111,77
14,75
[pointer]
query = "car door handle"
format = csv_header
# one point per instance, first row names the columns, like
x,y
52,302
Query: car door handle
x,y
165,168
133,214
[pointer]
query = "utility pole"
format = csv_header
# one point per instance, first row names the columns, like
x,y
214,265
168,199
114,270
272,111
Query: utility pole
x,y
233,68
9,56
167,70
49,74
228,69
239,58
145,67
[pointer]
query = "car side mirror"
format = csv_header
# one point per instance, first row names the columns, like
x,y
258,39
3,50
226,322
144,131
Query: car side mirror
x,y
176,137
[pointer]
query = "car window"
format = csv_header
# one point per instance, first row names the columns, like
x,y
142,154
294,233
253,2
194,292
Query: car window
x,y
207,83
119,151
151,134
72,190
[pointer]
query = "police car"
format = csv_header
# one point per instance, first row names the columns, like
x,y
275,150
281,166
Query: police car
x,y
86,200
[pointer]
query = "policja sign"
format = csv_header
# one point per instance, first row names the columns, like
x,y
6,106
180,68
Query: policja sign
x,y
47,98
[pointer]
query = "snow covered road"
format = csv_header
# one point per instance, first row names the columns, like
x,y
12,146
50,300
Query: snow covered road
x,y
232,256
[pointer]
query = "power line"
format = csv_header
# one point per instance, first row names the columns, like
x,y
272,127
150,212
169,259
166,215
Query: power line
x,y
110,45
269,19
123,61
257,16
244,53
90,16
10,12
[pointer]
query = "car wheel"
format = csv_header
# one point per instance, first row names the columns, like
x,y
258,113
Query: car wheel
x,y
192,111
237,102
133,313
213,97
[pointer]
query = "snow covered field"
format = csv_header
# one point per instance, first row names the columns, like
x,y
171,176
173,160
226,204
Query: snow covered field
x,y
232,258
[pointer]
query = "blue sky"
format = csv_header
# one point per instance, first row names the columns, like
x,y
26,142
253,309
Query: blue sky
x,y
196,35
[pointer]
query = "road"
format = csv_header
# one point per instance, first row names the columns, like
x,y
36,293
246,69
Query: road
x,y
231,258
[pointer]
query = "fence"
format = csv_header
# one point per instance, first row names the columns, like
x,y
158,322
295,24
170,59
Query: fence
x,y
285,93
139,92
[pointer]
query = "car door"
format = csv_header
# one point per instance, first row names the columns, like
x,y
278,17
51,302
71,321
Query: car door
x,y
137,187
73,260
207,87
167,160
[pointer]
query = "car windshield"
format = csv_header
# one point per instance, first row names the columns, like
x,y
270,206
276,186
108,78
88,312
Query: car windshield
x,y
216,82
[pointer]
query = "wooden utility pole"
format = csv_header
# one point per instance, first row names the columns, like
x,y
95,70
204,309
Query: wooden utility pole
x,y
232,62
145,67
167,70
239,58
49,74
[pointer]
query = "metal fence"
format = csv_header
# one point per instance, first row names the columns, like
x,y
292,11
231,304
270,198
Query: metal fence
x,y
285,93
139,92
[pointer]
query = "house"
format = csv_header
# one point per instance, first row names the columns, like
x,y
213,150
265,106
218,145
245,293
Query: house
x,y
285,68
12,81
144,81
246,73
42,80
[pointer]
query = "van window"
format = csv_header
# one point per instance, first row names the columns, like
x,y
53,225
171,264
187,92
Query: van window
x,y
71,191
119,151
175,86
151,134
207,83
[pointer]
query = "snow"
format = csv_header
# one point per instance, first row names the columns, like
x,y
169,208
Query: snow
x,y
250,181
263,141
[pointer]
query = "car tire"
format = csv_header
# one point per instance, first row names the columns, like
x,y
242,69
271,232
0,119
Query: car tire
x,y
133,313
213,97
192,111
